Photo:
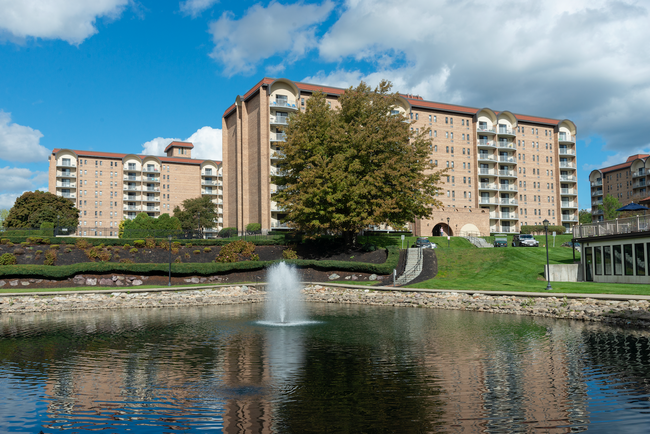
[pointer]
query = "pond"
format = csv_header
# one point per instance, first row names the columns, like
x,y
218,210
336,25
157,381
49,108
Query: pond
x,y
352,369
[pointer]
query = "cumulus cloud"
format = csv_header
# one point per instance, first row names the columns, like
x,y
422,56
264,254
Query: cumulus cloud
x,y
206,141
586,60
264,32
16,181
194,8
20,143
70,20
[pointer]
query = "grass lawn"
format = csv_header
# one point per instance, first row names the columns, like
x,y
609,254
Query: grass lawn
x,y
462,266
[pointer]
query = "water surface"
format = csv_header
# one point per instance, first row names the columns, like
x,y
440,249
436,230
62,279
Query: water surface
x,y
357,369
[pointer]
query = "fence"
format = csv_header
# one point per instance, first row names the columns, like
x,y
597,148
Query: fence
x,y
613,227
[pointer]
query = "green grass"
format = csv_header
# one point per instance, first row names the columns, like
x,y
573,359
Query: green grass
x,y
462,266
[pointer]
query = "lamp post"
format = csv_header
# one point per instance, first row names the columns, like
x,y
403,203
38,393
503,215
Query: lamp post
x,y
448,232
169,283
548,268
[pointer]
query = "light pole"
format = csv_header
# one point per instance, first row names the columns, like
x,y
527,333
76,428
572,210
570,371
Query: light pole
x,y
548,268
448,232
169,283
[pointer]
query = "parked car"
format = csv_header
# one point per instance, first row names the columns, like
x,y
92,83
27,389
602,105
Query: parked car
x,y
568,244
524,240
424,243
500,242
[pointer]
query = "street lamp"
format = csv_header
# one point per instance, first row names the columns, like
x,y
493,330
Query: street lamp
x,y
169,283
448,232
548,268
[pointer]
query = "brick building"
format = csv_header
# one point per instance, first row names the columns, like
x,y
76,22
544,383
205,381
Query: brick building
x,y
516,169
108,187
626,181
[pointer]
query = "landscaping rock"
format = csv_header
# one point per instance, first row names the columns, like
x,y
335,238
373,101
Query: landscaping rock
x,y
137,282
333,276
106,282
13,282
91,282
79,280
2,283
372,277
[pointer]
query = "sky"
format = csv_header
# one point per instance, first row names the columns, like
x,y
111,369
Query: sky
x,y
130,76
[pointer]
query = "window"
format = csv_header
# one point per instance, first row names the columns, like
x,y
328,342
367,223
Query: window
x,y
452,164
417,116
607,256
435,118
640,259
446,119
452,148
429,118
435,148
446,134
451,121
629,260
453,179
435,133
447,149
452,136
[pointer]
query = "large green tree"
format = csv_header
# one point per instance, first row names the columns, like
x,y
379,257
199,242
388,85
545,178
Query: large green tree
x,y
346,169
4,213
35,208
609,207
197,213
584,217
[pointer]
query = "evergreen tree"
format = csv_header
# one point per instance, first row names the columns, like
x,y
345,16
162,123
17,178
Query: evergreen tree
x,y
32,209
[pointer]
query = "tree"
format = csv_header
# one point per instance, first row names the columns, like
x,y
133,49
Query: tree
x,y
4,212
143,226
197,213
361,165
609,207
35,208
584,217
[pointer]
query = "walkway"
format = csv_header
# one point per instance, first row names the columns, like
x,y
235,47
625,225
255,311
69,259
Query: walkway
x,y
479,242
413,266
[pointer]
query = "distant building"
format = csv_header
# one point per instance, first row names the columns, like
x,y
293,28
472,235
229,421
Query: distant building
x,y
508,169
108,187
626,181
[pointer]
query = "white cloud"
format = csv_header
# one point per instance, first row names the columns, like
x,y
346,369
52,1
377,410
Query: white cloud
x,y
206,141
195,7
20,143
16,181
262,33
70,20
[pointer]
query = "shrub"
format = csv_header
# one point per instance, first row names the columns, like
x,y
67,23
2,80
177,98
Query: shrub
x,y
539,229
164,245
92,253
368,248
228,232
231,252
196,252
7,259
289,254
150,243
104,256
139,243
117,257
127,247
50,257
34,240
176,245
187,256
39,252
188,245
207,250
19,252
255,257
10,244
47,228
101,245
133,250
4,240
254,228
68,250
178,260
175,250
108,248
126,261
24,244
54,247
82,244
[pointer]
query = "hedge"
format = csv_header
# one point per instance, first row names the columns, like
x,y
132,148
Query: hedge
x,y
211,268
539,229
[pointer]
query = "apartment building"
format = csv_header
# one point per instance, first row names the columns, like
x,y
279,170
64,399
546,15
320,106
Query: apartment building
x,y
509,169
627,182
109,187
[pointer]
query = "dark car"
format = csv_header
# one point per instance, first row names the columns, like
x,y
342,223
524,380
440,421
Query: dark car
x,y
524,240
424,243
501,242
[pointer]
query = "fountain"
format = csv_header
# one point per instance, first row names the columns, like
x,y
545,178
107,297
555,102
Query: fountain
x,y
284,304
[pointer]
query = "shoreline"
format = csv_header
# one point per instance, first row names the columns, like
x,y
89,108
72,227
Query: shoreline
x,y
611,309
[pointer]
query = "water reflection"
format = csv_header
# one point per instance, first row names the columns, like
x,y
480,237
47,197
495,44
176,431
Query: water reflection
x,y
358,369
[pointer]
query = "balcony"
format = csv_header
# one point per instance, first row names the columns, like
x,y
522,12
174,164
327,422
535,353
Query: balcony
x,y
486,144
486,157
277,137
569,218
596,193
148,170
152,209
150,199
150,188
505,145
150,179
277,172
487,186
567,165
489,172
283,104
566,138
131,188
509,216
510,160
132,208
65,164
132,178
573,205
67,195
639,184
596,202
277,155
507,201
131,168
506,131
487,201
277,224
279,120
507,187
597,212
596,183
638,173
484,129
564,151
210,192
210,183
568,191
508,173
132,198
66,174
66,185
503,229
276,208
569,178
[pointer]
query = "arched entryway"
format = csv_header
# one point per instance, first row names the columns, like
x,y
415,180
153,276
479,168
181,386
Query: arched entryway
x,y
441,230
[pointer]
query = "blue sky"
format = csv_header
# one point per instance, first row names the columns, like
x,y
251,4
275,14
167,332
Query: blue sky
x,y
131,75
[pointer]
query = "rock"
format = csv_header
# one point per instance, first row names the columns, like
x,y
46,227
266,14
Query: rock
x,y
91,282
106,282
187,280
333,276
354,277
2,283
194,280
347,277
120,277
13,282
24,283
137,282
114,278
119,283
203,279
79,280
372,277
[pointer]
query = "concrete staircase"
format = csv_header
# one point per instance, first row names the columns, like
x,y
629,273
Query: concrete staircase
x,y
479,242
413,266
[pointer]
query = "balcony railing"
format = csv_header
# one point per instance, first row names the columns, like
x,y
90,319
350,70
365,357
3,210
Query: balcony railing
x,y
151,199
147,170
487,201
505,145
510,173
132,187
210,183
279,120
487,172
67,195
130,168
150,179
566,138
638,173
66,185
290,104
507,160
565,164
486,143
209,191
132,178
65,164
280,225
487,186
509,215
481,129
504,229
508,187
569,205
567,151
486,157
639,184
133,198
596,183
506,131
66,175
596,193
277,155
568,191
567,178
508,201
132,208
277,137
596,202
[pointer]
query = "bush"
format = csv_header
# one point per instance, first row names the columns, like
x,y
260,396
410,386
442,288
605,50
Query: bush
x,y
164,245
228,232
68,250
47,229
24,244
4,240
176,245
254,228
104,256
139,243
19,252
133,251
175,250
54,247
207,250
187,256
126,261
178,260
127,247
255,257
50,257
150,243
92,253
34,240
368,248
82,244
289,254
188,245
231,252
10,244
117,257
39,252
196,252
8,259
